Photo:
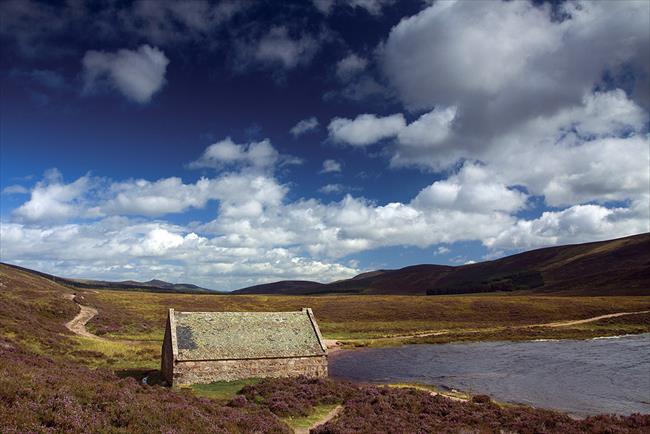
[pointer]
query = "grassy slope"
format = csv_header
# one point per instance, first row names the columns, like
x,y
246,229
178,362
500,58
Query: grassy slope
x,y
44,385
360,318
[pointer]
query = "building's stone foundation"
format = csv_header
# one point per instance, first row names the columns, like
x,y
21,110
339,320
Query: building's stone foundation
x,y
208,371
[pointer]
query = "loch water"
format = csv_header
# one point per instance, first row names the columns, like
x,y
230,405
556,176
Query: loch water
x,y
580,377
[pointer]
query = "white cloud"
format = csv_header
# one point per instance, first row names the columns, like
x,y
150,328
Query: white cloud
x,y
242,193
226,152
428,130
365,129
596,150
332,188
165,22
168,195
330,166
324,6
500,56
350,66
577,224
472,189
258,234
442,250
278,47
521,81
15,189
138,74
37,28
52,199
373,7
304,126
119,248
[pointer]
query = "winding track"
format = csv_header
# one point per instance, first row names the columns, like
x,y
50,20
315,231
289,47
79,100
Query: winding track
x,y
329,416
583,321
77,325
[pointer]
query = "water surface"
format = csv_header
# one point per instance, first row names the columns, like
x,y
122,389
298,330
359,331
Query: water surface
x,y
581,377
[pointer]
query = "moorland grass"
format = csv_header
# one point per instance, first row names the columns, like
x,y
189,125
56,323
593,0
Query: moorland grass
x,y
141,315
222,390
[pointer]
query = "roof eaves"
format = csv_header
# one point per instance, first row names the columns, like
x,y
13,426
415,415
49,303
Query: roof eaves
x,y
314,324
172,326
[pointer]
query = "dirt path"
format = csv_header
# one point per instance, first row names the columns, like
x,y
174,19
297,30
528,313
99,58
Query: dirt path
x,y
329,416
336,345
583,321
77,325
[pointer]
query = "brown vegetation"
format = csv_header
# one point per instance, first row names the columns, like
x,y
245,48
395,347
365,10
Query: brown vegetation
x,y
140,315
614,267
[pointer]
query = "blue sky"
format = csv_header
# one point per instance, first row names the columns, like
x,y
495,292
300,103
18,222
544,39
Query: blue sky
x,y
232,143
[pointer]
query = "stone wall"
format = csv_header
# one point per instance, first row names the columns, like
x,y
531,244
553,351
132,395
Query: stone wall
x,y
167,360
191,372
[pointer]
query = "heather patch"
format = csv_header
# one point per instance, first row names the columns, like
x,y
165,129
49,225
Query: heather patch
x,y
399,410
38,394
297,397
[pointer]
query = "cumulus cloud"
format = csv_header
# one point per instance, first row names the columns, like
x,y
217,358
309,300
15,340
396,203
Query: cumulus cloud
x,y
332,188
429,129
304,126
527,93
164,22
165,196
35,28
472,189
52,199
442,250
117,248
259,234
137,74
502,64
330,166
278,47
373,7
365,129
527,96
350,66
575,224
224,153
15,189
513,53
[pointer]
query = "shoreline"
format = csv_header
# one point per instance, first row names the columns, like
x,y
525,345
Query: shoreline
x,y
508,377
335,346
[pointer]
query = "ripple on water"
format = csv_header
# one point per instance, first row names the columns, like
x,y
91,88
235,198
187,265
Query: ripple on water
x,y
580,377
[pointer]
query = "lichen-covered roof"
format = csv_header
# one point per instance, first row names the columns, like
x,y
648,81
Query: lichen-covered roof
x,y
245,335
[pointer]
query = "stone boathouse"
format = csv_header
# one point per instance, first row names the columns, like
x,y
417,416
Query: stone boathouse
x,y
202,347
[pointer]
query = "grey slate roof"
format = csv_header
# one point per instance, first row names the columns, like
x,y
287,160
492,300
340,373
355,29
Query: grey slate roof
x,y
245,335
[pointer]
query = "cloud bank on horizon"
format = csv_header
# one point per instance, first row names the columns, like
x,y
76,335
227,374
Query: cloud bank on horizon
x,y
462,131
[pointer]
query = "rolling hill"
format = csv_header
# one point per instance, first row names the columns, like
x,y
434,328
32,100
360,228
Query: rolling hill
x,y
153,285
614,267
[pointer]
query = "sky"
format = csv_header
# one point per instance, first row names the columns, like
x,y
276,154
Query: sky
x,y
228,144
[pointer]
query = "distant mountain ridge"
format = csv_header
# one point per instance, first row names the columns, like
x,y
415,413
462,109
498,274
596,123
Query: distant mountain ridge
x,y
153,285
613,267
